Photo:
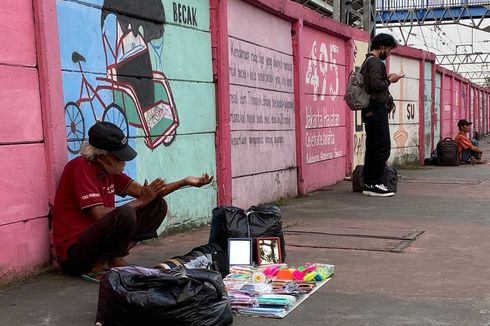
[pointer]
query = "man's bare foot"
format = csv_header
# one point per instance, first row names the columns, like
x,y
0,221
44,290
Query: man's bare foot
x,y
480,161
100,265
117,262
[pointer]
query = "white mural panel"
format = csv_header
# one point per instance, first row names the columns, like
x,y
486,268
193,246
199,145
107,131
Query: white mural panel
x,y
404,119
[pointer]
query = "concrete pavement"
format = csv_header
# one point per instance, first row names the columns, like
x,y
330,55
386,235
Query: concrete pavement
x,y
419,258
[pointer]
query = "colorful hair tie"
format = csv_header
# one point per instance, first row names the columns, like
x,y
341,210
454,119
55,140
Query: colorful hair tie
x,y
259,277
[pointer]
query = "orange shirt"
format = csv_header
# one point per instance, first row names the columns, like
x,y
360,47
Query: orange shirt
x,y
463,142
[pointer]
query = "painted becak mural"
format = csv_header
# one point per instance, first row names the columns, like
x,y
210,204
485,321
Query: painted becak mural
x,y
145,102
146,66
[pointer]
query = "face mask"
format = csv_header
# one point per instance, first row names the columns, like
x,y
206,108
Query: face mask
x,y
383,56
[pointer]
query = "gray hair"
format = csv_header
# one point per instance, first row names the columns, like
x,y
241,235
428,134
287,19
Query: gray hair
x,y
89,152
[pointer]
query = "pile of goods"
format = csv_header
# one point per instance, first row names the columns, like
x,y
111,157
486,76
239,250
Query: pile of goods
x,y
273,290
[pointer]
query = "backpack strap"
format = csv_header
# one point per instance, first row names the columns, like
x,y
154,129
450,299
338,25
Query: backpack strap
x,y
362,69
365,61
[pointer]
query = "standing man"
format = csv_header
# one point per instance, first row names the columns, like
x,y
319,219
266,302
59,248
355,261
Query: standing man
x,y
375,116
469,150
89,232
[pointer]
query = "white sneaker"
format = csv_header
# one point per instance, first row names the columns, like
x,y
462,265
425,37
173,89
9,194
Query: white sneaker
x,y
377,191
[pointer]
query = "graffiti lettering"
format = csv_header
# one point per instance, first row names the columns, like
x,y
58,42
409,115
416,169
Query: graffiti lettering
x,y
184,14
410,111
322,156
319,139
321,119
326,63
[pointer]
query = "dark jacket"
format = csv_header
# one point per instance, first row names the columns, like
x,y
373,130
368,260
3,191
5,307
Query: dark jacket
x,y
376,80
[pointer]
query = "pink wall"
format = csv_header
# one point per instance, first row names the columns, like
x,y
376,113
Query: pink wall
x,y
456,105
460,99
219,43
323,112
261,106
446,104
321,147
407,121
28,132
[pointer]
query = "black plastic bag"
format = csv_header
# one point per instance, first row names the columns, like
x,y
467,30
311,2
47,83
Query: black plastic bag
x,y
179,296
208,256
257,221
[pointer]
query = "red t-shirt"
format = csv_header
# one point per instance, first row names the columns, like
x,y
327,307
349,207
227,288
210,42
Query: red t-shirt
x,y
83,184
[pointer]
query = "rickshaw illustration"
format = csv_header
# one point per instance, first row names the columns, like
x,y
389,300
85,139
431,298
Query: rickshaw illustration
x,y
143,101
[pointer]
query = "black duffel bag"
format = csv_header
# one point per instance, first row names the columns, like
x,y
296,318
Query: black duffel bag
x,y
389,179
257,221
141,296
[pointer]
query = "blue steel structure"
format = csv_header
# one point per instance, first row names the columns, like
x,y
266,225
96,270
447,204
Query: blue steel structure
x,y
395,13
411,13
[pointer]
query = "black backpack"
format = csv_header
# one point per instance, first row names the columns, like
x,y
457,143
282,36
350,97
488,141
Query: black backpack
x,y
447,152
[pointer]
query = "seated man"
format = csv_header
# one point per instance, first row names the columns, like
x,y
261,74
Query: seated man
x,y
89,232
469,152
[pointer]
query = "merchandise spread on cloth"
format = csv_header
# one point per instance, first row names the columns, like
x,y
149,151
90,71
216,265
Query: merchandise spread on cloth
x,y
273,290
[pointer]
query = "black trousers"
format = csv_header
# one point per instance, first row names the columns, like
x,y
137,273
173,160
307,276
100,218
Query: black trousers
x,y
110,236
378,143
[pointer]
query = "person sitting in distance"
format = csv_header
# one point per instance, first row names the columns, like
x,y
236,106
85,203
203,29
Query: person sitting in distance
x,y
469,150
89,232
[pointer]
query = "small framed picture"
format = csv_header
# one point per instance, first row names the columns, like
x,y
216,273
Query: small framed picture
x,y
240,251
268,250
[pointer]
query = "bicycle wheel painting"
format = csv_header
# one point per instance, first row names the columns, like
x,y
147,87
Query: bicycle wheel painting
x,y
75,127
115,114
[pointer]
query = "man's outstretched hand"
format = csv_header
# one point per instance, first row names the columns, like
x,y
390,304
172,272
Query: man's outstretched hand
x,y
152,190
204,179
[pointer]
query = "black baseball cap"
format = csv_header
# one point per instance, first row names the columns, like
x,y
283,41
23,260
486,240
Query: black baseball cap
x,y
109,137
464,122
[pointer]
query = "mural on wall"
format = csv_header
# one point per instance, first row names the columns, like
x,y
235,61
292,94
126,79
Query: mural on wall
x,y
145,102
322,78
359,144
404,119
324,111
263,147
145,65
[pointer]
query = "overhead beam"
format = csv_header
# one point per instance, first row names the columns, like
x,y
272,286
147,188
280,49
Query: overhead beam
x,y
472,75
463,58
453,14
